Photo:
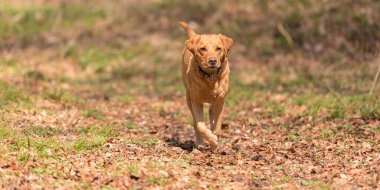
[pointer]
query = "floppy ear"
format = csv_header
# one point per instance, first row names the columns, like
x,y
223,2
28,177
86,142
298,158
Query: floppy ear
x,y
191,43
227,42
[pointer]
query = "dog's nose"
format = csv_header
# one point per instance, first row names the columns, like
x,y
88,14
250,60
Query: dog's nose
x,y
212,61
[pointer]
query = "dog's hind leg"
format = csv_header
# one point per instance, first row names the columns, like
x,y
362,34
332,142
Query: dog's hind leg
x,y
216,115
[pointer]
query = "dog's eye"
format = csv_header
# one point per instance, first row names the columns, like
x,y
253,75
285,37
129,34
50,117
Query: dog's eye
x,y
203,49
218,49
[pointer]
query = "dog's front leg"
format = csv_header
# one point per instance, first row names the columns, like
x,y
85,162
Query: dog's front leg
x,y
216,115
200,126
198,120
198,138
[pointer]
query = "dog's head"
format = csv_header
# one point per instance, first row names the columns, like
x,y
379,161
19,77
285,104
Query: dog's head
x,y
209,50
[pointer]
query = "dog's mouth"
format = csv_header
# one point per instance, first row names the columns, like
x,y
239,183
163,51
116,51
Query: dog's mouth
x,y
212,67
209,69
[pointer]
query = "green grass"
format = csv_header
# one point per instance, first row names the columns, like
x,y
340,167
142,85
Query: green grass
x,y
26,21
327,133
11,95
368,107
134,170
146,142
87,144
101,58
317,185
92,131
83,185
276,109
293,136
5,132
35,142
159,180
241,92
94,113
60,96
35,75
129,125
370,111
40,131
30,145
92,137
44,170
95,58
7,62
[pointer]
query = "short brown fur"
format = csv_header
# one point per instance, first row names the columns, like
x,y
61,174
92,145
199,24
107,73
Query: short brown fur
x,y
206,82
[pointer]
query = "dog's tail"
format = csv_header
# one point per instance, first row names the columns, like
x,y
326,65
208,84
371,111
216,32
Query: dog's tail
x,y
187,29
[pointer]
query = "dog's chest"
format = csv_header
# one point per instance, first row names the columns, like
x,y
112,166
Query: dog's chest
x,y
209,90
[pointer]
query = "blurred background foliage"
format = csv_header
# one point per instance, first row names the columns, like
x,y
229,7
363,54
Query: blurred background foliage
x,y
326,30
319,29
280,46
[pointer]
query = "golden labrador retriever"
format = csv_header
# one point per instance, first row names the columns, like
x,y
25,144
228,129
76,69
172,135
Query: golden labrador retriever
x,y
205,74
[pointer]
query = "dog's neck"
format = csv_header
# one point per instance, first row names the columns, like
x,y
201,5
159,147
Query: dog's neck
x,y
207,75
204,73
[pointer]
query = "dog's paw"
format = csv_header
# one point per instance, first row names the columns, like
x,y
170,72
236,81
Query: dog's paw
x,y
213,141
214,137
213,145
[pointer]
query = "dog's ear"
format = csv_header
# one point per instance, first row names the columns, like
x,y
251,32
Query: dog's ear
x,y
227,42
191,44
